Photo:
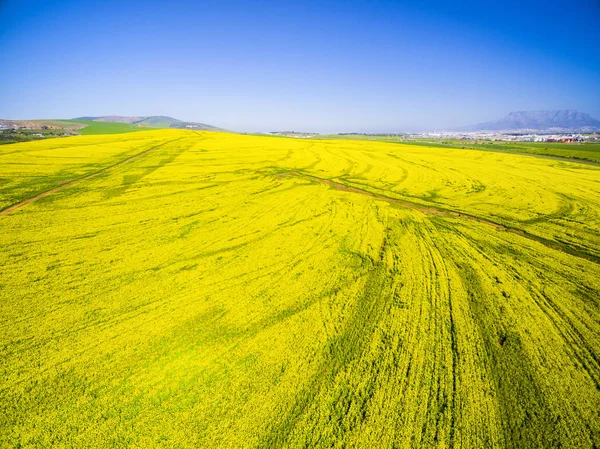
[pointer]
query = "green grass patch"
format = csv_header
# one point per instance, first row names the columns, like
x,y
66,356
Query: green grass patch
x,y
93,127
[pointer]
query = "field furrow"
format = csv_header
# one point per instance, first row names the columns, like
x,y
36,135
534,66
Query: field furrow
x,y
185,289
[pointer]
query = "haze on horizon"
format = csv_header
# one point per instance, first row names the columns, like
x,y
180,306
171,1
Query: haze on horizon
x,y
328,66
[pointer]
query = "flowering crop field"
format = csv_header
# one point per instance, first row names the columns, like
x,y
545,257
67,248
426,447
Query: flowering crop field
x,y
186,289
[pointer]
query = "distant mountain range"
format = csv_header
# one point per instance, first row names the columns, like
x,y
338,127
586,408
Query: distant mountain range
x,y
153,121
559,120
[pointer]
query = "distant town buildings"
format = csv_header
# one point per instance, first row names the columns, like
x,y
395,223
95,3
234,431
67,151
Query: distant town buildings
x,y
510,137
296,134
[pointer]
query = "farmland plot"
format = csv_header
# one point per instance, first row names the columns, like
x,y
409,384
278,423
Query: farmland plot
x,y
187,289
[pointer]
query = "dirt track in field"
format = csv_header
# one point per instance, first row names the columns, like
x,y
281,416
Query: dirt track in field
x,y
68,183
432,210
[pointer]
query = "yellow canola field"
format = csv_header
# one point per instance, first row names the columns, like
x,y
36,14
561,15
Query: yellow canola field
x,y
184,289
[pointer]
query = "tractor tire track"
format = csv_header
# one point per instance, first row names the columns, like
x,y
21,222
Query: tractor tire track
x,y
434,210
27,201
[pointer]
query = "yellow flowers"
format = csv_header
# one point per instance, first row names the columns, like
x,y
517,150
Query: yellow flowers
x,y
192,289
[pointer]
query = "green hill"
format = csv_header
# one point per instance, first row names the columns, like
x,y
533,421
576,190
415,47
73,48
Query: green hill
x,y
154,121
94,127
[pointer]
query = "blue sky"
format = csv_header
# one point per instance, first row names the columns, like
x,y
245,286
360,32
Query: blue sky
x,y
326,66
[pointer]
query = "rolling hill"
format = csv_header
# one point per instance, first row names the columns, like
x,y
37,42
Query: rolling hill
x,y
155,121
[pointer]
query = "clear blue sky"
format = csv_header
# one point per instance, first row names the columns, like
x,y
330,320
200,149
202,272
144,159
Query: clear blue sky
x,y
371,66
